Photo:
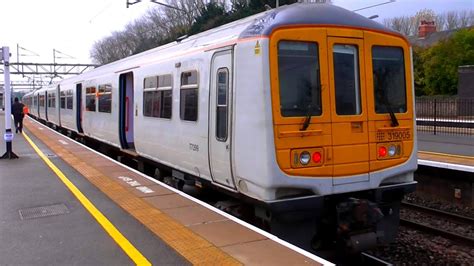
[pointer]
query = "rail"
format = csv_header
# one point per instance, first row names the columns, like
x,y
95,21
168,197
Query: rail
x,y
422,226
445,116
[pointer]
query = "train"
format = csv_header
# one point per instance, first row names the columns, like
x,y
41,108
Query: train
x,y
304,112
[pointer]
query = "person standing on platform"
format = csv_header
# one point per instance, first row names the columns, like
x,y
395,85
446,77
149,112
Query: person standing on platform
x,y
18,115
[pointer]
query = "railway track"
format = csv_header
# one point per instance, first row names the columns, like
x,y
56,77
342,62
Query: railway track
x,y
425,226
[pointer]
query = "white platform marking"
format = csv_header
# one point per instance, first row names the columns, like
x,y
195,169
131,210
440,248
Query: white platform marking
x,y
452,166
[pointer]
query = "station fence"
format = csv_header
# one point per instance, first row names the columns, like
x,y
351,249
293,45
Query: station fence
x,y
445,115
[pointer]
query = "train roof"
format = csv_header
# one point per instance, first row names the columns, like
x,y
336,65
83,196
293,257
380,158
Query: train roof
x,y
259,25
308,14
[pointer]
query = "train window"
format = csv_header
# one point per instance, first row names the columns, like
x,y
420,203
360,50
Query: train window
x,y
346,79
299,75
69,99
157,96
90,99
189,92
52,100
105,98
389,79
221,107
63,99
41,100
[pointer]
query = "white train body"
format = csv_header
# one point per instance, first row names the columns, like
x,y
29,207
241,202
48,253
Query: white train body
x,y
240,156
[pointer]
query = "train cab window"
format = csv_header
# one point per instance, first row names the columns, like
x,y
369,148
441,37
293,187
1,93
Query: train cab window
x,y
189,92
299,75
69,99
389,79
158,96
221,106
90,99
346,79
63,99
105,98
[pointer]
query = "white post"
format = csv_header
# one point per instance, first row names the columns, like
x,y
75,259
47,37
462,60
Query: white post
x,y
8,105
7,94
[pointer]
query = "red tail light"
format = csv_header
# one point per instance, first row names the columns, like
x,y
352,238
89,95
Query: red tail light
x,y
317,157
382,151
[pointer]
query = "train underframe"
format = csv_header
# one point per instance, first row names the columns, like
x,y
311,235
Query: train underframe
x,y
350,222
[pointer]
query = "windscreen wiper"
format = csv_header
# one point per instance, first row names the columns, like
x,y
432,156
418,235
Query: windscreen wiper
x,y
307,120
387,105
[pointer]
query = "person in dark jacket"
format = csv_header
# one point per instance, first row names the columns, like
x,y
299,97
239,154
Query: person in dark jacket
x,y
17,112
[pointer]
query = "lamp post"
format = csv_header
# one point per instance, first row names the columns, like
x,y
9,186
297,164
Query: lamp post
x,y
8,136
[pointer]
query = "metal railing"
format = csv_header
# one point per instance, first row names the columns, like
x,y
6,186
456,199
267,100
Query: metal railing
x,y
445,116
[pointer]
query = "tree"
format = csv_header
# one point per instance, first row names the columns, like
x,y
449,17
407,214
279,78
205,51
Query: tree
x,y
163,25
408,25
440,63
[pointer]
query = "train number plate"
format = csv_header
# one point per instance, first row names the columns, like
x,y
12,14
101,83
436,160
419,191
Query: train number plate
x,y
394,135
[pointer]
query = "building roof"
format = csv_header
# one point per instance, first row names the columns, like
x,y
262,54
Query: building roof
x,y
432,38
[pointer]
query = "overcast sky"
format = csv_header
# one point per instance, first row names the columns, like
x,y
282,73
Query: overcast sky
x,y
72,26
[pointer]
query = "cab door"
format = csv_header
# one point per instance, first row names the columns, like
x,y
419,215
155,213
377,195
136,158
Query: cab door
x,y
220,118
348,107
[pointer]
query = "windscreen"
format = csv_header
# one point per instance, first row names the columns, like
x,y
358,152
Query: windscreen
x,y
389,79
300,85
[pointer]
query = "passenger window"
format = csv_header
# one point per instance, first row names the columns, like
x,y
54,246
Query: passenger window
x,y
105,98
389,79
299,76
188,109
158,96
346,79
63,100
221,106
51,100
90,99
69,99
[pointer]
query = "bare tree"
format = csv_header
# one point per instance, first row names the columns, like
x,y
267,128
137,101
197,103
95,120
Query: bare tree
x,y
452,21
445,21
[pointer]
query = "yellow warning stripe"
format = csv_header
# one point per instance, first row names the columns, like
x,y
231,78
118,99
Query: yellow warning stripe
x,y
446,155
123,242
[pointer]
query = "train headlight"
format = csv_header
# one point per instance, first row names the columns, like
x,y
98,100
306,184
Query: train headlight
x,y
392,150
305,158
382,151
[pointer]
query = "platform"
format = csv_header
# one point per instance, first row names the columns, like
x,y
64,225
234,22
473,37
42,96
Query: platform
x,y
450,152
66,204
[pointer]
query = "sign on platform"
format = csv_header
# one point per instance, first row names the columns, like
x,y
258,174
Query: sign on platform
x,y
8,137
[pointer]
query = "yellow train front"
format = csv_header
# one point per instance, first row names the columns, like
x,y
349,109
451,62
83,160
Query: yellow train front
x,y
341,94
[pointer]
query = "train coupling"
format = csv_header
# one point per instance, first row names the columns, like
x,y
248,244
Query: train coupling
x,y
357,220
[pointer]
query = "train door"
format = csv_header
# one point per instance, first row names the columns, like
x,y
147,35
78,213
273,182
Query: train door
x,y
79,108
126,104
46,99
38,104
58,104
349,108
220,118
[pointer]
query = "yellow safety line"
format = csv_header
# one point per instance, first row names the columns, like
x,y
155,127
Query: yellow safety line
x,y
131,251
446,154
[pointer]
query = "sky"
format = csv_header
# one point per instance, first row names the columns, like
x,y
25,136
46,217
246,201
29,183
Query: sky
x,y
73,26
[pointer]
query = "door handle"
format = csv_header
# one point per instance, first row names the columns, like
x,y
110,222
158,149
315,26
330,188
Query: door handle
x,y
357,127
